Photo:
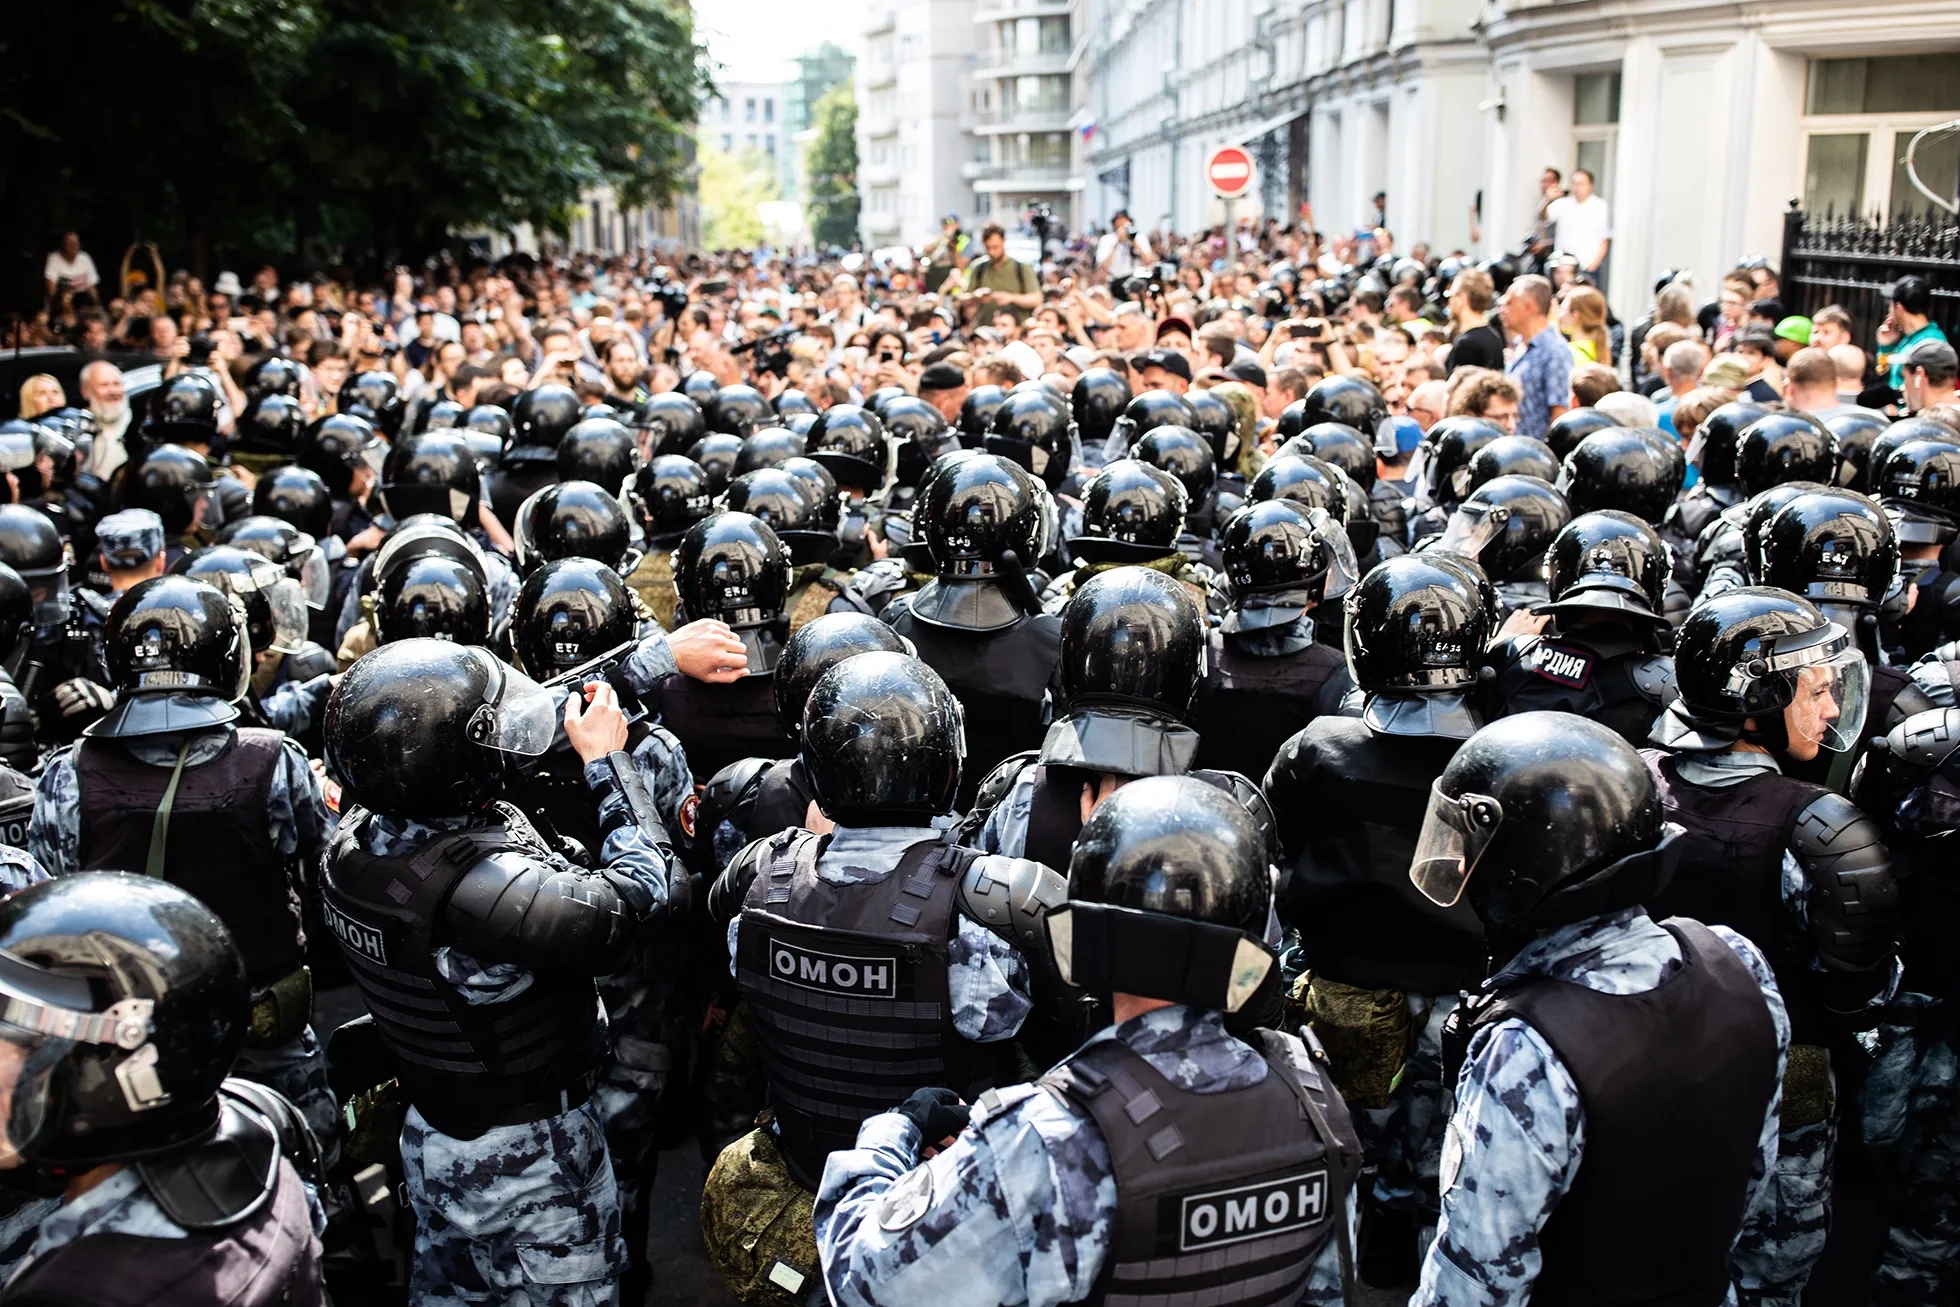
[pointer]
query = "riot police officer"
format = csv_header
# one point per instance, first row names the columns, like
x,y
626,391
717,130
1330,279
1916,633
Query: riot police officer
x,y
185,1184
1034,429
1184,454
1716,489
1274,663
1564,433
1767,682
1664,1037
169,785
1166,1108
375,396
290,674
1505,526
479,979
574,519
768,447
17,746
185,413
539,417
1142,415
57,662
1621,470
977,414
778,498
1097,399
1918,482
672,422
977,623
1601,651
1132,516
920,434
344,452
600,450
670,494
852,445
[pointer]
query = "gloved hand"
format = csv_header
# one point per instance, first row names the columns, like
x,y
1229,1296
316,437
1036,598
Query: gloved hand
x,y
938,1113
83,698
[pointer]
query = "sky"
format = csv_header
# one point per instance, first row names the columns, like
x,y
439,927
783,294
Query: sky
x,y
756,40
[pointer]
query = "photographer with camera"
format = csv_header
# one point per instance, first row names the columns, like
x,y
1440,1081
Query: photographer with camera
x,y
1122,249
999,284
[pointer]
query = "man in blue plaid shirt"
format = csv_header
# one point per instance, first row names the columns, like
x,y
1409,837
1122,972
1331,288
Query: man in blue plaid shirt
x,y
1543,368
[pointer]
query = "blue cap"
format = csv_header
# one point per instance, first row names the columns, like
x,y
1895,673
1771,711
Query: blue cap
x,y
130,538
1401,434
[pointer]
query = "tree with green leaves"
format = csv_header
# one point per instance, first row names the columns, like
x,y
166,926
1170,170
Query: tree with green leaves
x,y
831,166
733,189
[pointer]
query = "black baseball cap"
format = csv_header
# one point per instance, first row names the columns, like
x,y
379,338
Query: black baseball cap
x,y
1913,294
1169,360
1246,370
941,376
1936,356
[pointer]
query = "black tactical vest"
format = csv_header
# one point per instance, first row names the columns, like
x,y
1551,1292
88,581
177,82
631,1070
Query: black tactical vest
x,y
1001,679
219,847
466,1066
1221,1198
1247,705
554,795
1675,1082
1622,692
782,798
1731,870
848,988
720,724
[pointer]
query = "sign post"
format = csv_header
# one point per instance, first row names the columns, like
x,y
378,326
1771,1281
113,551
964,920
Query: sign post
x,y
1229,173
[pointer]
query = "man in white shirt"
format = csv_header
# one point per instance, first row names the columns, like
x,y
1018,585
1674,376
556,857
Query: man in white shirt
x,y
103,392
69,268
1582,226
1122,249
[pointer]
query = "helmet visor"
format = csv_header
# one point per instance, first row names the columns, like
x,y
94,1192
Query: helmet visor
x,y
16,450
1343,568
316,577
520,716
1455,833
1472,527
1828,706
283,596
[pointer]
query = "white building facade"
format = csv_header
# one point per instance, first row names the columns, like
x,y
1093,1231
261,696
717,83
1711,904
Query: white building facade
x,y
746,116
913,141
1021,111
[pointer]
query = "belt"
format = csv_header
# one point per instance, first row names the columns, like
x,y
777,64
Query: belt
x,y
464,1124
281,1010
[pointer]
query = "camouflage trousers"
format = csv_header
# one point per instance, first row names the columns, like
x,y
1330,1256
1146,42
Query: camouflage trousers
x,y
1912,1118
1783,1236
1404,1141
521,1216
634,1077
298,1070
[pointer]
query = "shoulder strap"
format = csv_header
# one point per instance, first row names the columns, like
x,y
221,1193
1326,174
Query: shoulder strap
x,y
1277,1049
160,826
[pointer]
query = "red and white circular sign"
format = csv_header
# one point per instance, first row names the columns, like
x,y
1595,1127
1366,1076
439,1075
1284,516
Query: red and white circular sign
x,y
1229,170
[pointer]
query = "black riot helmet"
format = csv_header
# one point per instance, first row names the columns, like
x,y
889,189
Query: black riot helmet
x,y
432,596
672,494
738,410
1292,420
921,434
1564,432
818,646
180,658
1506,525
674,422
334,447
793,401
1780,447
184,410
777,498
1895,435
1833,547
851,442
275,606
574,519
423,728
1213,419
977,413
1513,456
270,424
1919,484
975,508
442,415
1282,558
1344,399
1543,819
1416,624
488,429
767,447
1184,454
1035,430
31,548
883,396
1132,512
1302,478
817,483
732,567
169,481
1150,410
1169,892
1621,470
1344,447
296,495
569,612
128,1004
296,551
376,396
1742,657
1756,513
1717,437
800,423
715,454
1456,441
1098,398
601,450
273,375
1132,636
431,473
883,741
539,419
1855,430
1607,563
16,609
700,386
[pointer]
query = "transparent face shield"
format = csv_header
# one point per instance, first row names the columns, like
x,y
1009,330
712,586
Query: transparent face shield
x,y
1343,568
1471,527
315,575
283,595
1832,690
42,1018
517,715
1455,833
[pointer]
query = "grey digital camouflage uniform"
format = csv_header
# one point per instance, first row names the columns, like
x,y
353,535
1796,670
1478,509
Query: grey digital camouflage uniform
x,y
296,818
1404,1141
500,587
1517,1134
1912,1122
1021,1208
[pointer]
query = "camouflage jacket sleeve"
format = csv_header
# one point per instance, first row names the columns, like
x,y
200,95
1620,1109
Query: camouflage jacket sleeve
x,y
631,851
1511,1153
18,870
1006,828
292,705
1760,1194
297,815
662,764
1018,1210
501,582
1930,674
988,983
54,833
649,665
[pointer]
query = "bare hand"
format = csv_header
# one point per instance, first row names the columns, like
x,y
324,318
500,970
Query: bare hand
x,y
708,650
597,727
815,822
1094,792
366,541
1522,622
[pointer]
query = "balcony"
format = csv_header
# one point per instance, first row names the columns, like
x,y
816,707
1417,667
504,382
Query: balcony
x,y
994,11
872,125
987,175
990,122
877,174
880,18
1006,63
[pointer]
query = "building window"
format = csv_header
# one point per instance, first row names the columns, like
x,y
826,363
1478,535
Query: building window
x,y
748,110
768,111
727,142
1860,117
1596,124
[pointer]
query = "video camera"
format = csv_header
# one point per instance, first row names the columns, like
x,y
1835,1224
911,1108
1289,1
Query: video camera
x,y
771,351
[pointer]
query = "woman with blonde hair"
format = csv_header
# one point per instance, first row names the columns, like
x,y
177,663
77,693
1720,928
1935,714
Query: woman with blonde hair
x,y
41,393
1582,318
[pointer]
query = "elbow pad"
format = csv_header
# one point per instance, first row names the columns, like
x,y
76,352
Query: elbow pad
x,y
731,888
1854,897
513,908
730,795
1012,897
1910,702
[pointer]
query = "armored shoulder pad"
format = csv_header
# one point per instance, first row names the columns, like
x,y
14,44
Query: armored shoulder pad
x,y
296,1138
731,888
1925,739
730,793
1945,653
1011,897
1849,868
1933,675
993,788
227,1177
311,660
1653,676
1909,702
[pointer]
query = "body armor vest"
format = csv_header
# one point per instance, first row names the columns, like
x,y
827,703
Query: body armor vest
x,y
1675,1082
782,798
1001,680
1622,692
466,1066
720,724
1248,706
1221,1198
219,846
849,991
1731,870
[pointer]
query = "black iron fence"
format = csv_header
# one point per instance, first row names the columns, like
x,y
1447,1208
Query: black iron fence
x,y
1829,259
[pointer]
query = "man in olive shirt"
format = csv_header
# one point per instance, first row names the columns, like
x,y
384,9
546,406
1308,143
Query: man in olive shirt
x,y
1001,284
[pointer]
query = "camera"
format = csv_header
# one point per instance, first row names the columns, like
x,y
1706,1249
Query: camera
x,y
771,351
198,349
672,297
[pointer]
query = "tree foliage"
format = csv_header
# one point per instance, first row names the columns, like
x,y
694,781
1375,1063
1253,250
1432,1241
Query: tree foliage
x,y
248,128
733,188
832,167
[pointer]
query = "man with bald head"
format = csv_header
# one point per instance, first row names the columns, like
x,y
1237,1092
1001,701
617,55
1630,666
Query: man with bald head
x,y
102,391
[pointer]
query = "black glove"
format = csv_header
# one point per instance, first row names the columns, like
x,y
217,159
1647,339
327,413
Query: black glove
x,y
938,1113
